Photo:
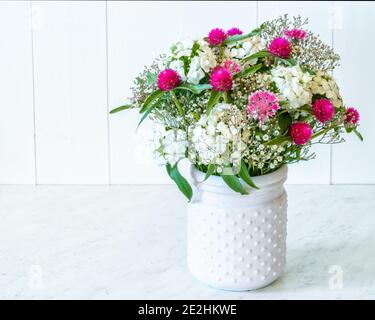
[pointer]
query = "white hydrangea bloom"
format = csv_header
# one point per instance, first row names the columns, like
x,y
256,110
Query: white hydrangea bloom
x,y
196,72
218,138
294,85
169,146
207,59
323,84
200,59
178,66
184,47
246,47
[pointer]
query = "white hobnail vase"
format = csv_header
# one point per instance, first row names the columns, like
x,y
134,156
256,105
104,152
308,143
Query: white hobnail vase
x,y
237,242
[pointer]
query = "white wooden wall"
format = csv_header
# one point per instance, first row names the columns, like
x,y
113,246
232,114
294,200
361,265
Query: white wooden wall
x,y
63,65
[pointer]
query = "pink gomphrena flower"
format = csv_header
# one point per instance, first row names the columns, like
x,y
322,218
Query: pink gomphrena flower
x,y
221,79
231,66
351,117
280,47
168,80
300,132
233,32
262,105
216,37
323,110
295,34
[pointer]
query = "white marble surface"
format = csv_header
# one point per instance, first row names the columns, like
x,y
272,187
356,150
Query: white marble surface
x,y
128,242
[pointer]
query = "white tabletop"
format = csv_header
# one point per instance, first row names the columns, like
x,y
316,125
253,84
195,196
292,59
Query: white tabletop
x,y
128,242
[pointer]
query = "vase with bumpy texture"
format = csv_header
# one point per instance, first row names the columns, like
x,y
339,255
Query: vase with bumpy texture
x,y
237,242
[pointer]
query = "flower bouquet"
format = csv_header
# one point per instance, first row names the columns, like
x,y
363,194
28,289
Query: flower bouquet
x,y
240,107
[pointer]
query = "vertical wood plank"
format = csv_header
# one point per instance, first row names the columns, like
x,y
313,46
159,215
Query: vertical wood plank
x,y
138,31
353,161
70,92
319,14
16,95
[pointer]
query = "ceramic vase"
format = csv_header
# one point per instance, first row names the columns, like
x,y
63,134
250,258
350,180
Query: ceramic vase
x,y
237,242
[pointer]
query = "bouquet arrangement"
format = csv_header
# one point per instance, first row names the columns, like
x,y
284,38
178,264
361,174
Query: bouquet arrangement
x,y
241,105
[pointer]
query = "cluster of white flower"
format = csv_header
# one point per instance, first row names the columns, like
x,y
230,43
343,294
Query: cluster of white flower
x,y
219,138
193,56
169,146
261,156
324,85
294,85
241,49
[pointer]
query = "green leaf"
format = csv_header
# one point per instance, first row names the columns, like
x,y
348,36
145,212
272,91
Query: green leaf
x,y
178,104
289,62
214,98
234,183
360,137
210,170
194,88
180,181
249,71
239,37
245,176
148,111
186,61
298,153
195,49
150,99
118,109
278,141
259,54
284,120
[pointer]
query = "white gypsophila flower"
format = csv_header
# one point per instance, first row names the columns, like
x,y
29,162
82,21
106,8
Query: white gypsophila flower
x,y
323,84
169,146
294,85
200,59
218,138
162,64
246,47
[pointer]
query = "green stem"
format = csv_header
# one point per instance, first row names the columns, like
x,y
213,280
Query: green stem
x,y
226,97
315,135
177,103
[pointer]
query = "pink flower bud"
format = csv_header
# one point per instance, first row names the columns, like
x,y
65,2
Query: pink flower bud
x,y
300,132
221,79
323,110
234,31
351,117
168,80
216,37
280,47
295,34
